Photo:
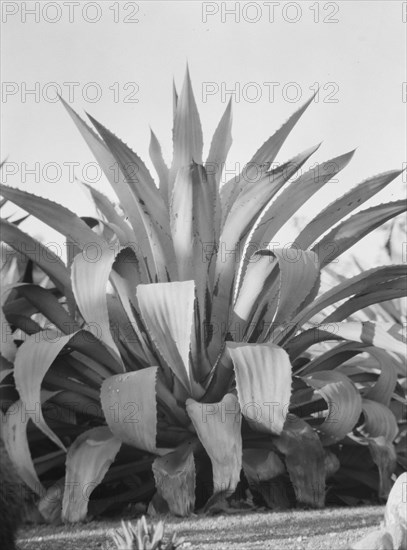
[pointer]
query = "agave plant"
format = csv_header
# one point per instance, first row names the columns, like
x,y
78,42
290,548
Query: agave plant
x,y
197,339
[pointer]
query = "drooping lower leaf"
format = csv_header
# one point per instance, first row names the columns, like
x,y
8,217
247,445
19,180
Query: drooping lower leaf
x,y
14,434
378,421
384,456
130,408
304,459
343,400
50,503
88,459
174,475
382,390
261,465
263,379
332,463
264,470
218,426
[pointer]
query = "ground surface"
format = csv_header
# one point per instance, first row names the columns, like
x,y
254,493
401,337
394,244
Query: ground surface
x,y
329,529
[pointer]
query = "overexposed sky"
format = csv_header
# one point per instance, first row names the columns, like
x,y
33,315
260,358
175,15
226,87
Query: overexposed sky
x,y
116,60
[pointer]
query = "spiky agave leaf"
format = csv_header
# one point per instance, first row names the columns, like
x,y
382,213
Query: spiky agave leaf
x,y
266,154
167,310
304,458
87,462
263,381
187,132
160,166
34,250
129,405
343,401
174,474
248,206
89,282
138,180
366,332
343,206
14,435
298,274
56,216
349,232
350,286
264,470
218,427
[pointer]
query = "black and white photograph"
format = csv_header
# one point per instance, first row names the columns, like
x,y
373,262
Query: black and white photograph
x,y
203,257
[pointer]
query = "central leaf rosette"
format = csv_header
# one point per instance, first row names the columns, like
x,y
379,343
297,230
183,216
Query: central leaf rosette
x,y
132,401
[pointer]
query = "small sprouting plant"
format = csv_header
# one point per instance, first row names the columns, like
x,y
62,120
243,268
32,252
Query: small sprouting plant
x,y
144,537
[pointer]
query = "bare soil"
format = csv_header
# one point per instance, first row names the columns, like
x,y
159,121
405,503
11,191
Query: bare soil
x,y
328,529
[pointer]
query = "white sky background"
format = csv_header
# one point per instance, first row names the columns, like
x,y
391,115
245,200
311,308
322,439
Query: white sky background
x,y
358,61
